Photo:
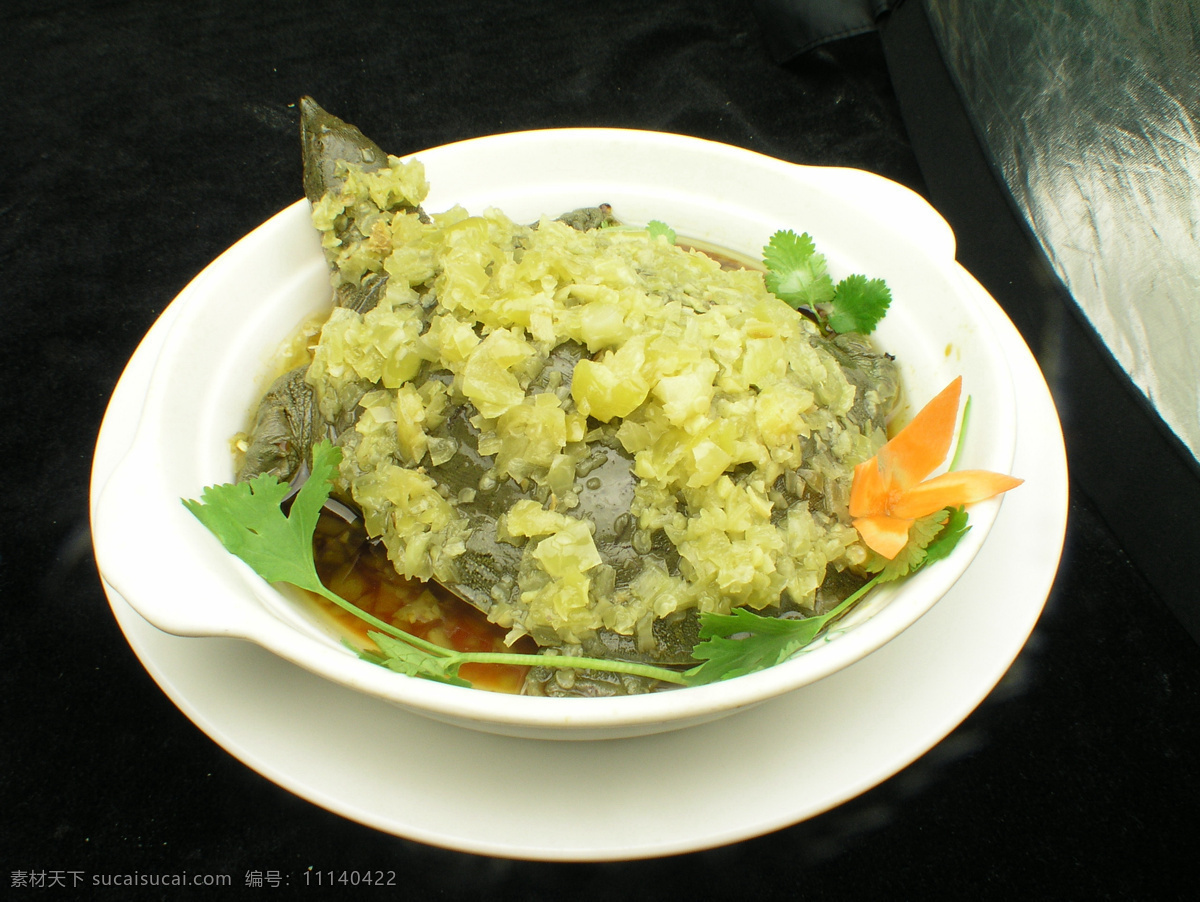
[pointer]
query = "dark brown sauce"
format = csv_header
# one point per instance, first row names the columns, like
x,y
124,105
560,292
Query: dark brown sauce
x,y
359,571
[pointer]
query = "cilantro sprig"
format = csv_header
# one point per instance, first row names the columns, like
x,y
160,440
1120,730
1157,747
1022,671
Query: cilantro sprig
x,y
797,275
657,228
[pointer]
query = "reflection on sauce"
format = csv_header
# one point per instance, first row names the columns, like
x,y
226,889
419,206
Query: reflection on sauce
x,y
359,571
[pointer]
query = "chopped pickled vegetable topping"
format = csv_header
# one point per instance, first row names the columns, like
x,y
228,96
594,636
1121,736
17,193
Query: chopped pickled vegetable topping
x,y
504,361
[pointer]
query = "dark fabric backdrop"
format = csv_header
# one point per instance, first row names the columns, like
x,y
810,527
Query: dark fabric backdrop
x,y
144,138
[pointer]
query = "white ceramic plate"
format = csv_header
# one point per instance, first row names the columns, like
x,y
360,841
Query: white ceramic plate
x,y
863,724
227,320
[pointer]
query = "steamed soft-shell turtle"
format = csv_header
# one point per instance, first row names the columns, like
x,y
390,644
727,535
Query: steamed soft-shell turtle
x,y
585,432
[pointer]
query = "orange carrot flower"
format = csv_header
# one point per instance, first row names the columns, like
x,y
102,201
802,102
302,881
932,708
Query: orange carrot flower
x,y
891,490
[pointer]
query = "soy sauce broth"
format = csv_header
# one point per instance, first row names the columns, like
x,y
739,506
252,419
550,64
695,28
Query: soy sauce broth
x,y
359,571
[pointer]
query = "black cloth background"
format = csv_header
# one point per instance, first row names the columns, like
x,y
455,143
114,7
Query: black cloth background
x,y
144,138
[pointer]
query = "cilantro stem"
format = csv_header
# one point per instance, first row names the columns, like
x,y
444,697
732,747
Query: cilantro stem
x,y
564,661
852,598
962,434
386,627
512,658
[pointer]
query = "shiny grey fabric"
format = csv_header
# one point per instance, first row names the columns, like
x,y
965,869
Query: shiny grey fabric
x,y
1090,109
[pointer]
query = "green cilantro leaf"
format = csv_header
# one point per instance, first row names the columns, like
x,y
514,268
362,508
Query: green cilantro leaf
x,y
930,539
742,642
795,271
859,304
247,518
948,538
656,228
402,657
796,275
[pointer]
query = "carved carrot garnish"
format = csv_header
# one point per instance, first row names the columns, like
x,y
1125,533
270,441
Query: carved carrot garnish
x,y
891,490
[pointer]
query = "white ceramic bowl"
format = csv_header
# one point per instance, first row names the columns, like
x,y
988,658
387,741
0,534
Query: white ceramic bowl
x,y
210,374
